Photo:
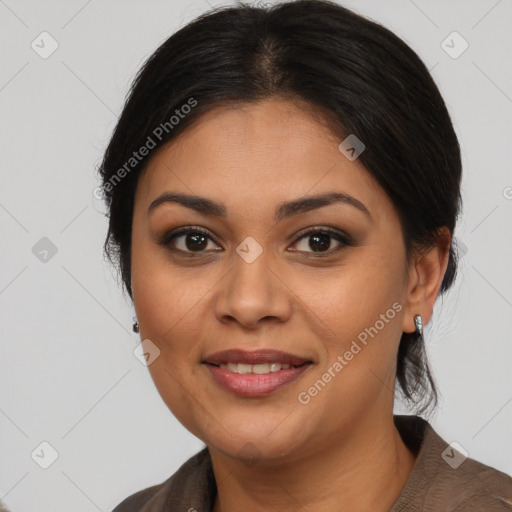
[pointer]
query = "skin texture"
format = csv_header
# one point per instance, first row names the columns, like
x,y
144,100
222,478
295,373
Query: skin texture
x,y
273,453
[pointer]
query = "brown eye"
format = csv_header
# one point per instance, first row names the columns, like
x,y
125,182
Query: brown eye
x,y
187,240
316,241
319,240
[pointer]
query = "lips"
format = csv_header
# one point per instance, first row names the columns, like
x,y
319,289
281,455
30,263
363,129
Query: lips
x,y
255,374
263,356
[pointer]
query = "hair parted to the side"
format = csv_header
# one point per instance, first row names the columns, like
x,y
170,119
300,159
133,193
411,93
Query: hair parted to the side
x,y
354,73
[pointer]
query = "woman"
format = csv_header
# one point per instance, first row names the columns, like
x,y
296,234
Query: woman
x,y
283,187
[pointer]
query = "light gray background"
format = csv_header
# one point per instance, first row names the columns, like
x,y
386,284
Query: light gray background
x,y
68,374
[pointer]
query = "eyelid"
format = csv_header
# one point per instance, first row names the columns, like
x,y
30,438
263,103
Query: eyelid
x,y
169,236
324,228
343,238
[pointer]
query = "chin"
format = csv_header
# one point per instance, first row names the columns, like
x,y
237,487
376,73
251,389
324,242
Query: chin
x,y
251,443
251,451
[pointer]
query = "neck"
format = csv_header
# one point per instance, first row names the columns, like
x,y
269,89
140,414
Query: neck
x,y
365,469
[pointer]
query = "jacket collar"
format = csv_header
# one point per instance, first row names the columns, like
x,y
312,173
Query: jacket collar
x,y
193,486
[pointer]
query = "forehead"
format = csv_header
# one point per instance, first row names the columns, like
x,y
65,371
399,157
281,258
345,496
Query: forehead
x,y
257,152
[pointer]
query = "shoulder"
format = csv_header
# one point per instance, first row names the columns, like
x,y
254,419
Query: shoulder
x,y
192,485
444,479
136,501
481,487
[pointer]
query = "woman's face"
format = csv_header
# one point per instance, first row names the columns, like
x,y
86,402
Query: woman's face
x,y
258,280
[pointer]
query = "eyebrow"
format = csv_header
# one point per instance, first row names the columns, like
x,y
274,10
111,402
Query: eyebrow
x,y
284,210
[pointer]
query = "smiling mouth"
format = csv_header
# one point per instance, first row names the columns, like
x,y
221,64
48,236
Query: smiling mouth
x,y
257,369
255,373
255,380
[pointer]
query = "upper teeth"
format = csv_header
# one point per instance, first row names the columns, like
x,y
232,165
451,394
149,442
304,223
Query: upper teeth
x,y
254,368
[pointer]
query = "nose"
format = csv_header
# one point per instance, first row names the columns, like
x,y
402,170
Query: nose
x,y
252,293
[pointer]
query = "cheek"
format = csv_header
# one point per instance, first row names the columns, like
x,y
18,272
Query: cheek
x,y
167,315
362,306
164,296
353,297
167,306
176,387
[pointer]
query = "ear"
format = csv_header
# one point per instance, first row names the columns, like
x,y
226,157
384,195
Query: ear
x,y
426,273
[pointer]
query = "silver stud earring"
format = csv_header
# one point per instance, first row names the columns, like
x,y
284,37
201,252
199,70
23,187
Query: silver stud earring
x,y
135,324
418,324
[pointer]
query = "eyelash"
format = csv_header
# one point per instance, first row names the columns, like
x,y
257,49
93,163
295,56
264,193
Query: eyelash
x,y
345,240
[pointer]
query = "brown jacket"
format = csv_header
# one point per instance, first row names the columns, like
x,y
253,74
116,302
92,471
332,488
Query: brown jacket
x,y
441,480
